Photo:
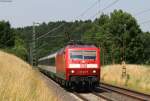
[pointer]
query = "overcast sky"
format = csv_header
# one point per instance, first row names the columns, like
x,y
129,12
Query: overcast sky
x,y
25,12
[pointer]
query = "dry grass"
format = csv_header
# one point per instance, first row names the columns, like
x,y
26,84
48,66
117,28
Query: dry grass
x,y
137,78
19,82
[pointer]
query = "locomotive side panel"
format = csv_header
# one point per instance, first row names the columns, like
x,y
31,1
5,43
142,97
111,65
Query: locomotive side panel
x,y
60,65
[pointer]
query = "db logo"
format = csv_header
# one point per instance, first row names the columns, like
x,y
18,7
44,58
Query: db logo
x,y
83,61
83,65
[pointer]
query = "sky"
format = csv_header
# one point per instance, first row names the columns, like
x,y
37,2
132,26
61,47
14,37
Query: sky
x,y
24,12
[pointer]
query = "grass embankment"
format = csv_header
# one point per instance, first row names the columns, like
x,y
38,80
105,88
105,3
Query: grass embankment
x,y
19,82
137,77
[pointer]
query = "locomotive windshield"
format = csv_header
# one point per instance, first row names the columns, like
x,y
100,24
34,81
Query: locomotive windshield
x,y
83,54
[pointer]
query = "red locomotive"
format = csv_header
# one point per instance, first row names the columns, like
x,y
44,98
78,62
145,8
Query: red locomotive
x,y
74,65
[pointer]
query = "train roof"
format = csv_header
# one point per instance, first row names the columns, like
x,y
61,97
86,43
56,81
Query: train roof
x,y
48,57
68,46
81,46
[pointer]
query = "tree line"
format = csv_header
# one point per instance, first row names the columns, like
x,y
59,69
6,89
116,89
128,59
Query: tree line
x,y
118,35
11,41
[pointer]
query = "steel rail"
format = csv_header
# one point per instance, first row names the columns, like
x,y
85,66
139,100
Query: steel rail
x,y
80,96
126,92
103,96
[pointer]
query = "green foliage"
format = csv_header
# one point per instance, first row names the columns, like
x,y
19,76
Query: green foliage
x,y
118,35
6,35
19,49
11,41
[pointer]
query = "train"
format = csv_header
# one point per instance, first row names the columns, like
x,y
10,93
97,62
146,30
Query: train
x,y
75,65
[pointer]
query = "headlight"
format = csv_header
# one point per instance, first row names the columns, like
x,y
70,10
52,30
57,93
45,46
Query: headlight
x,y
72,71
94,71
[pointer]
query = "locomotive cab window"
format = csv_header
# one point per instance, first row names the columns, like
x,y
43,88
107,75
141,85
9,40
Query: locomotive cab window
x,y
90,55
83,54
76,55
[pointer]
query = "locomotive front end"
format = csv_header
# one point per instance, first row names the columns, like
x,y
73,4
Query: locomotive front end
x,y
83,66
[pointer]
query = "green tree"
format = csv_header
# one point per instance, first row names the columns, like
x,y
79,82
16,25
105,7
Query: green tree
x,y
118,35
125,31
6,35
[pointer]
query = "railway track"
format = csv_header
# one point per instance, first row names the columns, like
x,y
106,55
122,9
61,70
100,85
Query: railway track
x,y
105,97
106,92
91,97
123,93
80,96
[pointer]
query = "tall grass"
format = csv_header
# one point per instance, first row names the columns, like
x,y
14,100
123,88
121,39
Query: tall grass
x,y
137,77
19,82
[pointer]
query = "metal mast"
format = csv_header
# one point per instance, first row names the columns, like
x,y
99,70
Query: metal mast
x,y
33,57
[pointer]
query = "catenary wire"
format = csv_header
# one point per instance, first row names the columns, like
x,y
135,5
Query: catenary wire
x,y
108,6
82,14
